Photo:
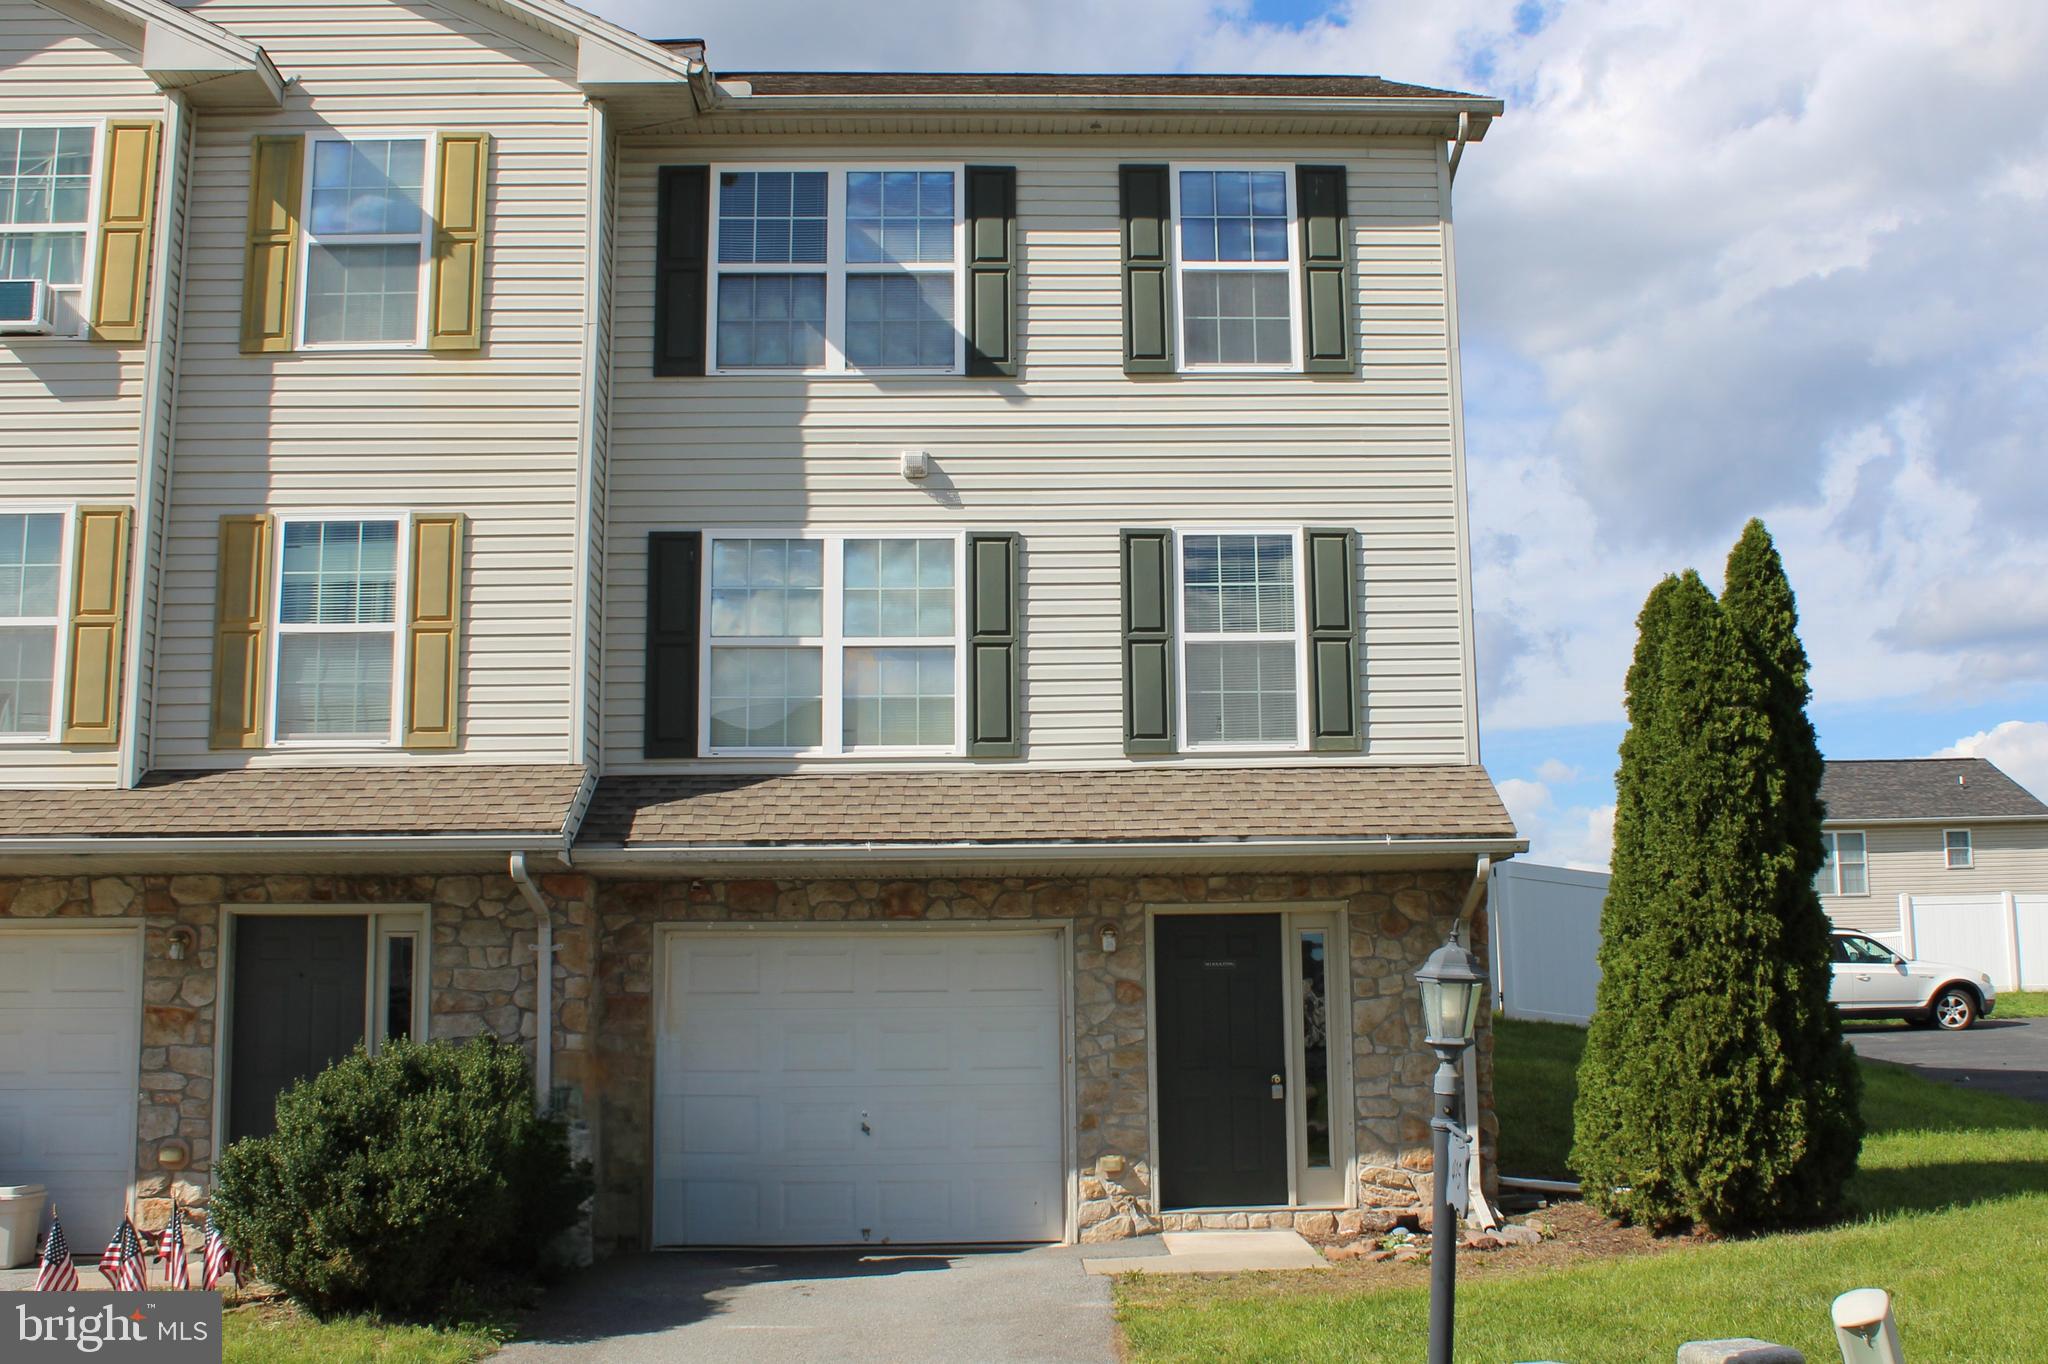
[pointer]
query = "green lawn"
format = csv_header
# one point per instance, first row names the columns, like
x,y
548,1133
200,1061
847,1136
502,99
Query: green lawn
x,y
280,1335
2022,1004
1952,1195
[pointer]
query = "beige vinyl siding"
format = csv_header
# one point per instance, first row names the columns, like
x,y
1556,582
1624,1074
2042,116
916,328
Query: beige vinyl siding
x,y
1073,449
1906,859
492,435
73,407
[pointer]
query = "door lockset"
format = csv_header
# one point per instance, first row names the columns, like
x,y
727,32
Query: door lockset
x,y
1279,1088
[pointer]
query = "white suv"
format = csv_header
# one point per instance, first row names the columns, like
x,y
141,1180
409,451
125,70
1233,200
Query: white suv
x,y
1872,981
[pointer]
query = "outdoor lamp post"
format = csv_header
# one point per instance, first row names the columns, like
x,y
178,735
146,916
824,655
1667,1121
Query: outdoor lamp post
x,y
1452,983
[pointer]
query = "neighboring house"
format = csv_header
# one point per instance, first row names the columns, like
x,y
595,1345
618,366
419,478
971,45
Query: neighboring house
x,y
939,604
1944,858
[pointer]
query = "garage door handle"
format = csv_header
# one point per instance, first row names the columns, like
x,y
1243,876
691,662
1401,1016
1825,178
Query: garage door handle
x,y
865,1129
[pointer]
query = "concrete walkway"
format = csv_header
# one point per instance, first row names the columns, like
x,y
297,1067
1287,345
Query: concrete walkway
x,y
1026,1306
1215,1252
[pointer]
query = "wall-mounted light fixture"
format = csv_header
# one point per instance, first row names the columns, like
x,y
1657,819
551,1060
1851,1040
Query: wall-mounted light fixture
x,y
1109,938
183,940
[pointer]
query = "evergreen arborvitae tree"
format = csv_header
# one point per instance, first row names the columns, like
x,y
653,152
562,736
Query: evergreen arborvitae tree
x,y
1692,1105
1825,1107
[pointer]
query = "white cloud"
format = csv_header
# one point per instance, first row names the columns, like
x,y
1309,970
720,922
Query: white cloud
x,y
2019,748
1578,836
1556,772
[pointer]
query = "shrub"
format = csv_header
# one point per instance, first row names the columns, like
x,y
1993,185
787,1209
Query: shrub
x,y
408,1183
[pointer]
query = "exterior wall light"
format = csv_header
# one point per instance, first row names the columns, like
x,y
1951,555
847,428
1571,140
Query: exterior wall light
x,y
182,941
1108,938
1452,982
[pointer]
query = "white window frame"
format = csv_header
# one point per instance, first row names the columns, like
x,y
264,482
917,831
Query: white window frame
x,y
385,926
833,644
88,272
1292,268
835,268
1968,848
429,178
400,652
60,657
1183,637
1832,868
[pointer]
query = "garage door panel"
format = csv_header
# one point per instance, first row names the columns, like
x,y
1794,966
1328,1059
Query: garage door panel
x,y
723,969
70,1007
902,1088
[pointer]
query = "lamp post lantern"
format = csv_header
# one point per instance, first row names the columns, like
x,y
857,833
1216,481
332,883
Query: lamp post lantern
x,y
1452,982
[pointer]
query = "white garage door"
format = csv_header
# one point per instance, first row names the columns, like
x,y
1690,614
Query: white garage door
x,y
855,1088
69,1015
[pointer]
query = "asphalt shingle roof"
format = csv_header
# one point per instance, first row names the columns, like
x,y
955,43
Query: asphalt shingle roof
x,y
1036,806
305,801
1924,788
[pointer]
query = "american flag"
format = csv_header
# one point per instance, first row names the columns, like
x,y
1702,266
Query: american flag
x,y
122,1262
177,1273
57,1274
220,1261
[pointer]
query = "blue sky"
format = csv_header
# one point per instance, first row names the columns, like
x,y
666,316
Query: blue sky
x,y
1717,261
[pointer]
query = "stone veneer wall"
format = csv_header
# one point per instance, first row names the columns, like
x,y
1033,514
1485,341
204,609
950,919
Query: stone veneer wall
x,y
481,967
1396,920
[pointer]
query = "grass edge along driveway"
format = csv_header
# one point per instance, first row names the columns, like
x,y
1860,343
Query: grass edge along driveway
x,y
1953,1194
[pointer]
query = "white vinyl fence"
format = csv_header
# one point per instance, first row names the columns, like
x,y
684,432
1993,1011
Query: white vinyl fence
x,y
2004,935
1545,944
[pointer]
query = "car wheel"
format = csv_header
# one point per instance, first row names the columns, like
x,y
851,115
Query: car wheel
x,y
1954,1009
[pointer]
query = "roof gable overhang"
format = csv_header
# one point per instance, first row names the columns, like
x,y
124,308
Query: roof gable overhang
x,y
612,62
211,67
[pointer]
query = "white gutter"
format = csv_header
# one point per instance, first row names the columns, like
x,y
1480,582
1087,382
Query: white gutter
x,y
639,856
159,406
256,844
1464,136
543,984
1236,105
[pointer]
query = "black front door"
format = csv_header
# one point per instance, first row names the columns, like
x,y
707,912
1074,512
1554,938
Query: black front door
x,y
298,1006
1222,1048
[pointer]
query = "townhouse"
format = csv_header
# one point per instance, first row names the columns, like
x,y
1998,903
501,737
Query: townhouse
x,y
910,635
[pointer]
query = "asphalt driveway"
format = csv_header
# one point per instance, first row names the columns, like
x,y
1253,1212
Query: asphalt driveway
x,y
845,1307
2008,1055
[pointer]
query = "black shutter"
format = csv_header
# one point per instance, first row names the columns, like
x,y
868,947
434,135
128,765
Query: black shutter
x,y
675,560
992,270
994,646
682,255
1333,640
1147,207
1319,195
1148,641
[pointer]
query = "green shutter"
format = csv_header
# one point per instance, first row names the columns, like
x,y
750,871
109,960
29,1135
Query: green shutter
x,y
675,561
1147,207
1333,641
992,270
682,255
1148,641
1319,195
994,646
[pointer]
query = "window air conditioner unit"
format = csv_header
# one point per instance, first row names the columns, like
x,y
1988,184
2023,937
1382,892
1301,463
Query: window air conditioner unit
x,y
25,308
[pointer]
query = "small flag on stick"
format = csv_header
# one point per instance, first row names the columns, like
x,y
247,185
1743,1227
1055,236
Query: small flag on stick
x,y
177,1273
220,1261
57,1274
122,1263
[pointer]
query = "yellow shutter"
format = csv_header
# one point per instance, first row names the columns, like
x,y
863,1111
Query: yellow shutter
x,y
99,595
270,265
462,179
434,632
120,296
241,630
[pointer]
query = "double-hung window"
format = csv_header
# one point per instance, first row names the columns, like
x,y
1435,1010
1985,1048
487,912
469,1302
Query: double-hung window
x,y
832,644
1238,273
337,630
31,621
46,213
1957,854
367,235
1241,639
837,270
1846,870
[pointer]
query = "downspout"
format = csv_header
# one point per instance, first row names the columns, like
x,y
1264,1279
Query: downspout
x,y
1458,148
1481,1212
543,985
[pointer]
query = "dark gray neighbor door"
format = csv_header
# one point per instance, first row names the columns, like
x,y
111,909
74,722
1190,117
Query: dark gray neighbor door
x,y
1222,1043
298,1006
